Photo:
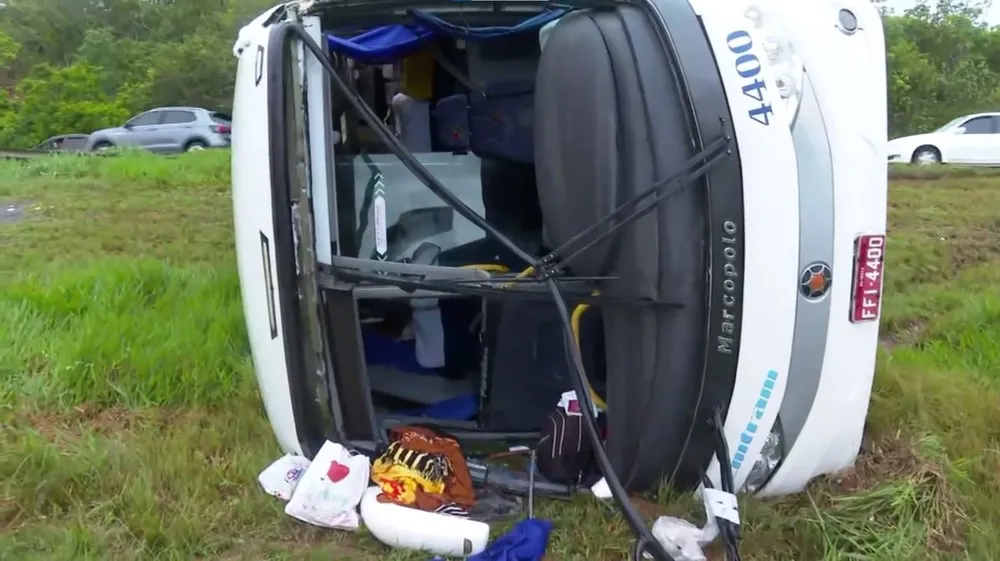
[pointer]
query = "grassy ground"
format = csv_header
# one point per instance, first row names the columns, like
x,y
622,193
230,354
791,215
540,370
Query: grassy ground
x,y
132,430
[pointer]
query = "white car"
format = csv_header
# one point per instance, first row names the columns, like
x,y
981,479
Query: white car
x,y
970,139
751,294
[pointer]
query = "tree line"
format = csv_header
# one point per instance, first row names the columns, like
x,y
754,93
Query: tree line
x,y
80,65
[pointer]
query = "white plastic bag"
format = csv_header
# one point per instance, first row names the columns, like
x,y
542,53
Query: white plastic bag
x,y
331,488
683,540
280,478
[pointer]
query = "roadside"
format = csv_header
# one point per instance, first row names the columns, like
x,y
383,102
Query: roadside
x,y
132,428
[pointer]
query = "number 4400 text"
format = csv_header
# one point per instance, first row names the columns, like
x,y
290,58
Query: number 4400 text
x,y
748,67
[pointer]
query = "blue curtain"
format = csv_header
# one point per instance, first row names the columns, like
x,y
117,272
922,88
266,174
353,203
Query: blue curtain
x,y
393,42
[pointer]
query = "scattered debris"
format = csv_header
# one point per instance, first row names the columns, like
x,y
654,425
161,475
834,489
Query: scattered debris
x,y
418,495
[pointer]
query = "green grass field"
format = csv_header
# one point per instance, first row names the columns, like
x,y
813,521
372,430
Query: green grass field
x,y
132,428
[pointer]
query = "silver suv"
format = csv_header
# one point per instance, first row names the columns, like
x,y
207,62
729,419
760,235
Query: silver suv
x,y
168,129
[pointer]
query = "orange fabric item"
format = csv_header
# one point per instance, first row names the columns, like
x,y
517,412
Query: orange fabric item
x,y
417,461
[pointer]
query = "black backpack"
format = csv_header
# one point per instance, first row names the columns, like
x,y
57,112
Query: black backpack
x,y
564,452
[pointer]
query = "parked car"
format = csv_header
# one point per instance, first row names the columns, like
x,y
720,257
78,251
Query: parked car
x,y
168,129
64,143
970,139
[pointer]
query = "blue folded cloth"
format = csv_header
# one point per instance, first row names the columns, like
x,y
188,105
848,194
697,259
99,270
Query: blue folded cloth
x,y
525,542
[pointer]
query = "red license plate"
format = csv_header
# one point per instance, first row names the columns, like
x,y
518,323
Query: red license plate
x,y
866,296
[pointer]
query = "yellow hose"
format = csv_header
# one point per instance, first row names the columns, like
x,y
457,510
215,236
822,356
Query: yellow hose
x,y
575,324
488,267
495,268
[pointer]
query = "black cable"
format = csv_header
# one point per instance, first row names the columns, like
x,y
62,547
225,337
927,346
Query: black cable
x,y
632,517
729,531
638,549
722,451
